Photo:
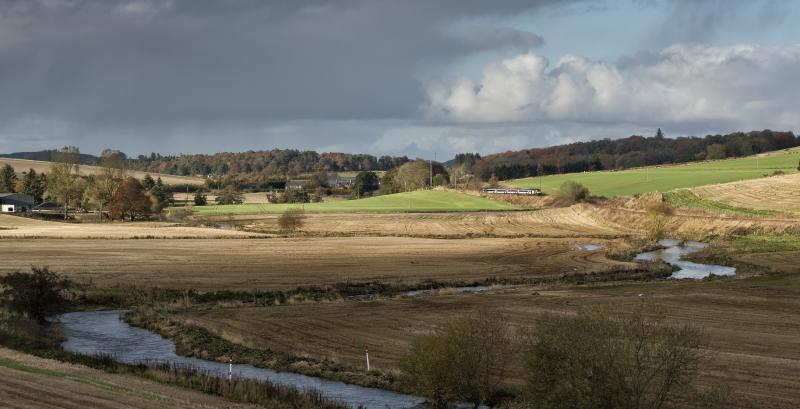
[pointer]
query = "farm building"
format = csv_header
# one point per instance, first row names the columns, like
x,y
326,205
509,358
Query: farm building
x,y
15,203
341,182
521,192
295,184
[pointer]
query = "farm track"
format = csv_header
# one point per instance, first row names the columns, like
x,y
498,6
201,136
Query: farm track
x,y
27,381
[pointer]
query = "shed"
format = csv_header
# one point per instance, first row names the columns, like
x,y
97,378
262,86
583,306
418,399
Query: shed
x,y
15,203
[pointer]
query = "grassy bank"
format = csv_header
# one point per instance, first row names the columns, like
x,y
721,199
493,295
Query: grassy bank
x,y
668,177
419,201
685,198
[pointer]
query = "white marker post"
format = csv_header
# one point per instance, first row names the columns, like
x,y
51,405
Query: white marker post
x,y
230,369
366,352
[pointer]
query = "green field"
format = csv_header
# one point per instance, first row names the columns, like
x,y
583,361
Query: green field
x,y
668,177
420,201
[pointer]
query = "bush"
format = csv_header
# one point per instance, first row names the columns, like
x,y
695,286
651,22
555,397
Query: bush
x,y
602,360
465,361
295,196
229,196
36,294
573,192
200,198
658,215
291,220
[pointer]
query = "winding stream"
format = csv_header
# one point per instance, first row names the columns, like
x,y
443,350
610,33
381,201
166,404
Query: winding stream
x,y
104,333
673,254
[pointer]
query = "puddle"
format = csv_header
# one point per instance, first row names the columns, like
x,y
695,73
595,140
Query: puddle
x,y
673,254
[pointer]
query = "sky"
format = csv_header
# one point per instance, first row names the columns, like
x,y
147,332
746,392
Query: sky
x,y
423,78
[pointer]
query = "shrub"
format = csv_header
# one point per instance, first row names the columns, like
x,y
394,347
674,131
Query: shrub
x,y
291,220
36,294
573,192
229,196
658,215
295,196
465,361
602,360
200,198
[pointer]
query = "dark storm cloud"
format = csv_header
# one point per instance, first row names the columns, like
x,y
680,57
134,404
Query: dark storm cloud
x,y
138,62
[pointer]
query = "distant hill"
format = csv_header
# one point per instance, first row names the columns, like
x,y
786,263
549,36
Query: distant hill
x,y
664,178
47,156
630,152
23,165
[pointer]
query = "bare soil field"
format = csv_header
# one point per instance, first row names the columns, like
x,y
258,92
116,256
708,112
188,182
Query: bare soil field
x,y
23,165
281,263
21,227
779,193
782,261
27,381
576,221
754,332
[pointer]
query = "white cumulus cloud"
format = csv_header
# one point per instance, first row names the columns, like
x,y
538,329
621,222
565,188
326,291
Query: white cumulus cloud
x,y
747,85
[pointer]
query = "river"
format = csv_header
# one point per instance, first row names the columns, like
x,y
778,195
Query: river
x,y
673,253
104,333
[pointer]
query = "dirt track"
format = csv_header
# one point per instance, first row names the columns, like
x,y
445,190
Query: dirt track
x,y
27,381
280,263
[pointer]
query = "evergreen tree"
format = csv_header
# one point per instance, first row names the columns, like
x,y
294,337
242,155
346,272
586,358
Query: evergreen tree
x,y
8,179
148,182
161,193
34,185
200,198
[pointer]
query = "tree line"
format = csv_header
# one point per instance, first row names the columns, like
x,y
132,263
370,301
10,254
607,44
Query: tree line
x,y
110,192
634,151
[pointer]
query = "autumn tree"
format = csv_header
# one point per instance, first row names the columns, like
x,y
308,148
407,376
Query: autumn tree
x,y
64,183
101,187
130,200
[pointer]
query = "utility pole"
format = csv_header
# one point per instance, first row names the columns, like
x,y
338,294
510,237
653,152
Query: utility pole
x,y
230,368
430,162
366,352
